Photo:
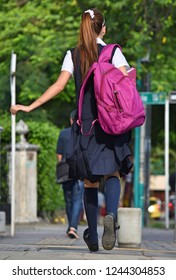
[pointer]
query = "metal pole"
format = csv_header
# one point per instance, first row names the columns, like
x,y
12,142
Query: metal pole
x,y
1,129
136,166
175,207
142,161
147,149
13,140
167,163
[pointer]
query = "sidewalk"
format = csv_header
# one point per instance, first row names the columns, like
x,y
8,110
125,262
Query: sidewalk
x,y
42,241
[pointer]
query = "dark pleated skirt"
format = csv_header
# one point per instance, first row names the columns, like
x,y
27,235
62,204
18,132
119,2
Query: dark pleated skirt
x,y
98,153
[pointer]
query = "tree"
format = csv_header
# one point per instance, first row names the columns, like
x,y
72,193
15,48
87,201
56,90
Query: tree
x,y
37,32
45,135
146,30
143,27
40,32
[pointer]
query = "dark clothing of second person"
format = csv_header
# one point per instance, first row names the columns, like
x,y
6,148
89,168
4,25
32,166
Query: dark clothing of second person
x,y
63,142
73,189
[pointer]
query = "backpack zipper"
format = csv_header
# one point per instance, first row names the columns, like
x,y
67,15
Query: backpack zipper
x,y
118,101
115,91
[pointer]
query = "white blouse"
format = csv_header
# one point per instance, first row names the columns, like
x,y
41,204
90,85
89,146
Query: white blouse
x,y
118,59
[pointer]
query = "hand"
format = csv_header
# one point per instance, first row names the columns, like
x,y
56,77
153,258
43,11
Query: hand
x,y
15,108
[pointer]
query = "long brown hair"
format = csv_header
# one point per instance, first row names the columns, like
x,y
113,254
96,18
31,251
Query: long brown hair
x,y
90,28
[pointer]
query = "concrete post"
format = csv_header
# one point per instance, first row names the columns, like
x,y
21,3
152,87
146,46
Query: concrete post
x,y
2,222
26,178
130,232
2,214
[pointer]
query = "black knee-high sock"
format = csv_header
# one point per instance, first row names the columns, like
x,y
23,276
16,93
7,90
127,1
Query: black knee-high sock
x,y
112,195
91,208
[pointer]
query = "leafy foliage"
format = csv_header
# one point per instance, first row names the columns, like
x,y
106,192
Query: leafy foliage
x,y
50,194
37,32
41,31
145,29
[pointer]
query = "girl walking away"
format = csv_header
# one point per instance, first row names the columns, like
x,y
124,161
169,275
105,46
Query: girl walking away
x,y
98,154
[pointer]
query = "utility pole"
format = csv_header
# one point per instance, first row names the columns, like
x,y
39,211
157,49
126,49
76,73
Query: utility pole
x,y
13,139
147,141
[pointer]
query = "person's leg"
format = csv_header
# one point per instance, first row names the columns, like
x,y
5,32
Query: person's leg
x,y
112,196
77,200
68,201
91,208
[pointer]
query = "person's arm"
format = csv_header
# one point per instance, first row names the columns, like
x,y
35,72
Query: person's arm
x,y
59,157
52,91
123,70
120,62
60,146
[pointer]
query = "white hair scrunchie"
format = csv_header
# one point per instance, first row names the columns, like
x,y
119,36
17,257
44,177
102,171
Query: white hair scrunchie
x,y
91,12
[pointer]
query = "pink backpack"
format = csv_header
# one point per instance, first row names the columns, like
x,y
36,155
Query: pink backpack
x,y
119,104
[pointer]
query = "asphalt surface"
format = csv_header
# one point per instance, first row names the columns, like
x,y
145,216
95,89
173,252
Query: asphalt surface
x,y
45,241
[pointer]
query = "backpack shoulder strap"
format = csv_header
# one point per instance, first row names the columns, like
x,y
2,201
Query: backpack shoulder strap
x,y
81,97
106,53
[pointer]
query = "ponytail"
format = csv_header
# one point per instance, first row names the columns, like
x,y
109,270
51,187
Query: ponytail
x,y
90,28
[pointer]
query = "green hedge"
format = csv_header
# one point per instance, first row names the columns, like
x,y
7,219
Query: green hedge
x,y
44,134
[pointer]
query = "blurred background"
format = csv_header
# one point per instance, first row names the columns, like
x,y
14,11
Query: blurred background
x,y
40,32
